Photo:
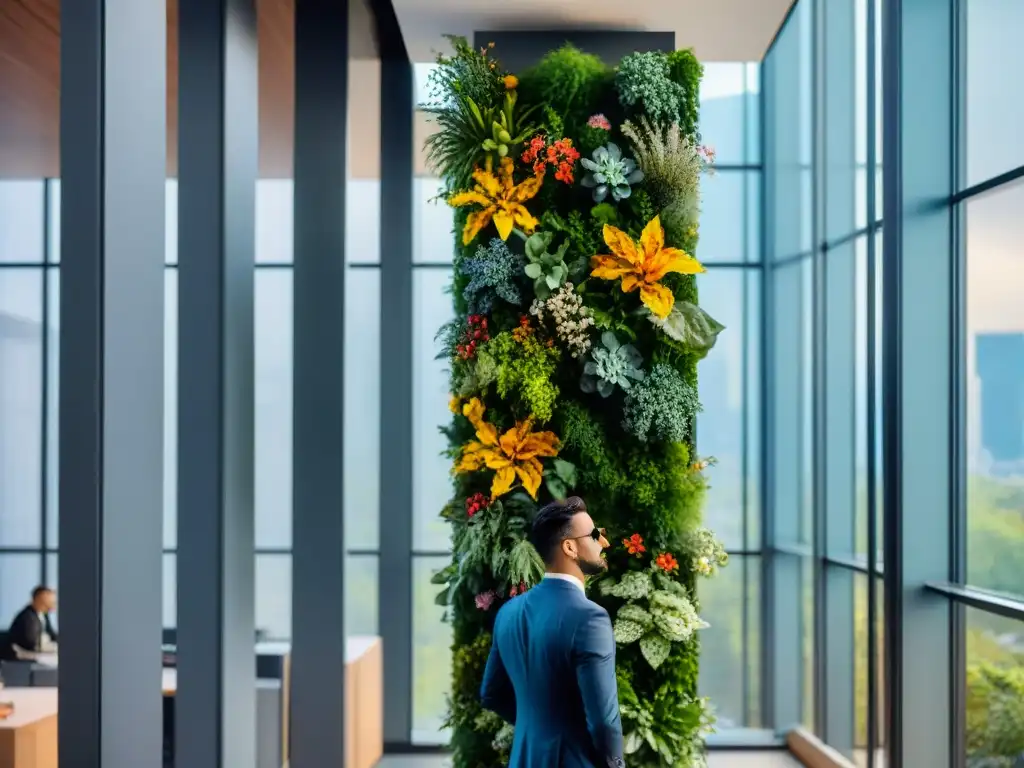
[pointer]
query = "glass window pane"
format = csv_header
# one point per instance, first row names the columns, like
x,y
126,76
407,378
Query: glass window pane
x,y
725,200
362,408
724,104
860,398
876,343
170,590
170,408
362,588
730,664
995,397
274,221
753,402
752,73
21,221
994,107
53,220
273,415
724,396
810,650
994,690
171,222
19,575
431,662
861,629
433,223
432,307
362,221
21,406
52,394
274,597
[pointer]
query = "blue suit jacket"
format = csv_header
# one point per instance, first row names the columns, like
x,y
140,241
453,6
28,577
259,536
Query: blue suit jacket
x,y
551,673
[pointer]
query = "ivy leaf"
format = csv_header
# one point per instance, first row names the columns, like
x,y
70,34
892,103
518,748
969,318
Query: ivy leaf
x,y
655,649
627,632
691,326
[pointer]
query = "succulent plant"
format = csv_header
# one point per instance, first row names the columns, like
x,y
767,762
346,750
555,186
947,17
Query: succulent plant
x,y
612,364
547,270
505,126
610,172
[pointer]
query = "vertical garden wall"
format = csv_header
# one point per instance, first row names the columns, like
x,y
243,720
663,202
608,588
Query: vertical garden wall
x,y
573,358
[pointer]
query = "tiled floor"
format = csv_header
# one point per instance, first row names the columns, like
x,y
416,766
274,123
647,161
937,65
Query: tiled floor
x,y
775,759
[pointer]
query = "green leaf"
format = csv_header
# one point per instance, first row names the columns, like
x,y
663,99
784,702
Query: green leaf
x,y
552,281
605,213
633,612
441,598
533,270
634,585
442,577
691,326
655,649
627,631
566,471
602,319
556,487
633,741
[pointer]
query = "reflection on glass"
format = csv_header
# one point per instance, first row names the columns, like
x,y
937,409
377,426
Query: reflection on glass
x,y
21,405
432,308
860,397
861,629
994,107
432,658
995,398
994,691
810,650
52,395
730,663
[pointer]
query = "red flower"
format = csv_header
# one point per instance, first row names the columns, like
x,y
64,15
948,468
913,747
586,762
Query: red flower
x,y
560,155
518,590
476,503
634,544
534,154
666,562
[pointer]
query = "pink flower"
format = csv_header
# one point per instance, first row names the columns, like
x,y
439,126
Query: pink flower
x,y
485,600
707,153
599,121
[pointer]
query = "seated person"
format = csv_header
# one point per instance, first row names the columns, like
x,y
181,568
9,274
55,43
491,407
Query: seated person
x,y
32,631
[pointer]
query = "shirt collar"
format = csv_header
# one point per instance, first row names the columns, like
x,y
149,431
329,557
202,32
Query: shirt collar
x,y
568,578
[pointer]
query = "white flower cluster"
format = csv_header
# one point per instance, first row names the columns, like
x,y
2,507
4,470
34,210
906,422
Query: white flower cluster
x,y
572,320
706,552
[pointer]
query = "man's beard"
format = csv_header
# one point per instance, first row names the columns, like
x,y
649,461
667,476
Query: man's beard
x,y
593,567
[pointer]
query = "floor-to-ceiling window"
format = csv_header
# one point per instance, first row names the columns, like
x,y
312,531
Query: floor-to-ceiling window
x,y
823,221
988,208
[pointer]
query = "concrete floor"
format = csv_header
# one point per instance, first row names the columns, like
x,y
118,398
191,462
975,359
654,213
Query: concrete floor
x,y
716,759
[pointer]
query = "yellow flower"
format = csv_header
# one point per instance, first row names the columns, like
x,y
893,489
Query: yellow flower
x,y
511,82
501,200
454,405
514,454
643,267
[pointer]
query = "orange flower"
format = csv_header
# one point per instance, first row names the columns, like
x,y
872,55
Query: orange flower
x,y
511,82
666,562
514,454
642,265
634,544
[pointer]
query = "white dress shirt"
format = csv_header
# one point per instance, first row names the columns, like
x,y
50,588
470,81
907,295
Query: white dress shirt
x,y
567,577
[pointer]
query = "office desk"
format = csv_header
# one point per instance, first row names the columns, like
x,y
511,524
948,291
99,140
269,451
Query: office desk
x,y
30,734
28,738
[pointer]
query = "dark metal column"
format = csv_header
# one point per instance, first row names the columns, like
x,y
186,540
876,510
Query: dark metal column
x,y
113,153
318,530
217,135
397,105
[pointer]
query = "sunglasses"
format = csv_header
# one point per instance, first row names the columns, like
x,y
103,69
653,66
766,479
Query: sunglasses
x,y
597,534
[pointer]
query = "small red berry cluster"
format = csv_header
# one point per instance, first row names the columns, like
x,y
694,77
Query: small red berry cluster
x,y
518,590
475,333
476,503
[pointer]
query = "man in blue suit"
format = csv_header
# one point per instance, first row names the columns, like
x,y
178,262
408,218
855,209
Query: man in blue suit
x,y
551,672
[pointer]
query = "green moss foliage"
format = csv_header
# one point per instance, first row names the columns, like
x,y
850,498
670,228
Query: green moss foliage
x,y
525,359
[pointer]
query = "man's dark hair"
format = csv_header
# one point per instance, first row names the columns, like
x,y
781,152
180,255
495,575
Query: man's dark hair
x,y
553,524
39,591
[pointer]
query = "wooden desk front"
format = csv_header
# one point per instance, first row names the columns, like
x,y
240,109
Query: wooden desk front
x,y
28,738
